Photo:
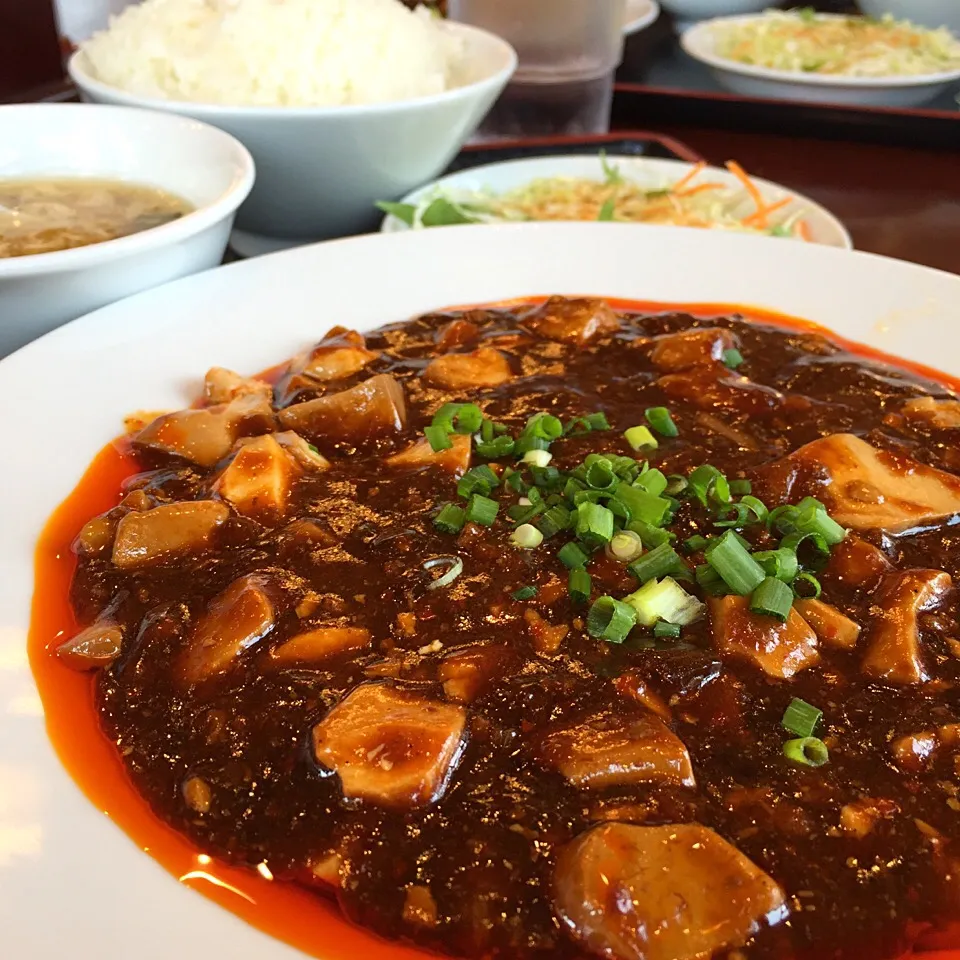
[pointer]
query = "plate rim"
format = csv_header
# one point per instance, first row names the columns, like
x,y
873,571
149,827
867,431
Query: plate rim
x,y
699,42
125,328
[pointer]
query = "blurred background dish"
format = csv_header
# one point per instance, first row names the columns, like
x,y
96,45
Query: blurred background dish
x,y
688,12
638,15
320,167
733,207
705,42
927,13
205,167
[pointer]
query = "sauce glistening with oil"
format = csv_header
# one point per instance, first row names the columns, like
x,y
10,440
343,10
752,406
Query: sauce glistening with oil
x,y
511,629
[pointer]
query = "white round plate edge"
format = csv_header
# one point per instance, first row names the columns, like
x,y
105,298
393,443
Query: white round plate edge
x,y
638,15
699,42
56,849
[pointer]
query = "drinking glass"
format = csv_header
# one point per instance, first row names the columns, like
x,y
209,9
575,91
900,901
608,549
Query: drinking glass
x,y
568,50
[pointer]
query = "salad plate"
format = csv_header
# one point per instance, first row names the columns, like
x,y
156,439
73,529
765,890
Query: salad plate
x,y
727,203
892,89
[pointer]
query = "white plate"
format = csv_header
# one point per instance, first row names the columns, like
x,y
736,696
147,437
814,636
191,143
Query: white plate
x,y
700,42
638,15
825,228
67,874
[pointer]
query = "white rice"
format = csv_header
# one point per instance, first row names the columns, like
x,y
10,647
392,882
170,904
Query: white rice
x,y
276,52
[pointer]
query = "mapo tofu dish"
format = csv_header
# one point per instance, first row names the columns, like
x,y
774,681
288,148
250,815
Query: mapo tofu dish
x,y
557,629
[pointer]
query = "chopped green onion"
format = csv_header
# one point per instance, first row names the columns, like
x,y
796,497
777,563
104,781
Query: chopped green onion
x,y
664,600
710,581
819,550
812,517
482,510
557,518
657,563
597,421
807,751
478,480
528,442
732,358
450,519
524,513
594,524
801,718
515,481
524,593
640,438
501,446
546,477
572,487
732,515
756,506
676,485
454,567
650,535
806,586
653,481
579,585
708,482
773,598
625,546
571,556
543,425
728,556
642,505
662,629
781,518
606,210
739,487
459,417
538,458
610,619
526,537
695,544
780,563
487,431
600,475
659,418
438,438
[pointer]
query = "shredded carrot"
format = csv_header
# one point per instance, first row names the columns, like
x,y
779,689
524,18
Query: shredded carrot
x,y
803,231
760,217
699,188
748,184
684,180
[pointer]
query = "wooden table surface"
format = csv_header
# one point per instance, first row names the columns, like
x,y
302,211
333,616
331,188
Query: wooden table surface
x,y
895,201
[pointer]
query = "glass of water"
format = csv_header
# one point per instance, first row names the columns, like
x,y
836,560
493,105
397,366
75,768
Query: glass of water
x,y
568,50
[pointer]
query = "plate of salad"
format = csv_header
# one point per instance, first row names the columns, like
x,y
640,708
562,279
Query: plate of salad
x,y
617,189
827,58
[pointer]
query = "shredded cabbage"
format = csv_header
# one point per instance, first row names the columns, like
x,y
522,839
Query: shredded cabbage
x,y
691,201
803,42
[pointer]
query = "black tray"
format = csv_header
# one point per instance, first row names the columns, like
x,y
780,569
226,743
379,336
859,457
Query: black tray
x,y
638,143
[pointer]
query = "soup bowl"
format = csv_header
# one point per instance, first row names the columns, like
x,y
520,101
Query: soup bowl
x,y
321,169
203,165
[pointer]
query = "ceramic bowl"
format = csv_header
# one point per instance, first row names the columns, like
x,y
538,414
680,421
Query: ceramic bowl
x,y
205,166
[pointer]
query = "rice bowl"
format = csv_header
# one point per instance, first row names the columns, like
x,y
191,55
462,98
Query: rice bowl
x,y
322,167
263,53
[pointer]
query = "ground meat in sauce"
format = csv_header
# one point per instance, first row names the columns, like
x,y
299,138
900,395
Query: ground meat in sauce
x,y
462,857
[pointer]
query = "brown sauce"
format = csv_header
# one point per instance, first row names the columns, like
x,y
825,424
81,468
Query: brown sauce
x,y
147,806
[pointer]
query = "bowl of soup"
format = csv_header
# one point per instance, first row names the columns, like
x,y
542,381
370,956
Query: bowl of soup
x,y
100,202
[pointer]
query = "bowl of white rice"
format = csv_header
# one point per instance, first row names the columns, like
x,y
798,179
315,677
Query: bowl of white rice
x,y
341,102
